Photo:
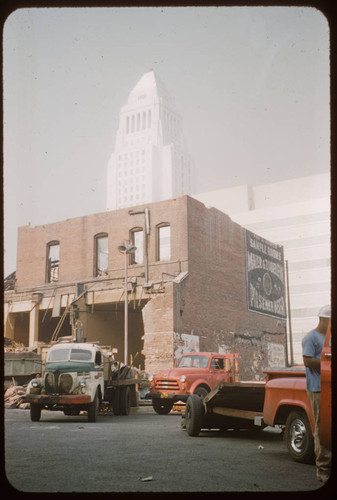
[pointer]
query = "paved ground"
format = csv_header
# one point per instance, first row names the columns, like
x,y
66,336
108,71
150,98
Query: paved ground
x,y
118,454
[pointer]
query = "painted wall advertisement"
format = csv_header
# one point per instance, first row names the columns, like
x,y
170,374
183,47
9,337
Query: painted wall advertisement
x,y
265,276
184,342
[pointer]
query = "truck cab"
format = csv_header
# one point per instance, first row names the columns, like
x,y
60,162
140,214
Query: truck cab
x,y
196,373
73,380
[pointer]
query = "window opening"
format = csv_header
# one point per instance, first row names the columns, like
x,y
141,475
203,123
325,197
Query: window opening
x,y
137,238
102,255
53,262
164,243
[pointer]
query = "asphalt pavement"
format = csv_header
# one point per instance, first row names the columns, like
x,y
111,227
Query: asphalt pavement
x,y
145,452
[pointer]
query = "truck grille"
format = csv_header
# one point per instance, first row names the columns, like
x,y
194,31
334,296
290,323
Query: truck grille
x,y
167,385
58,383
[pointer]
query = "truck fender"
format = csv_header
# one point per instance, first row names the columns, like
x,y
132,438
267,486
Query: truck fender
x,y
281,411
197,383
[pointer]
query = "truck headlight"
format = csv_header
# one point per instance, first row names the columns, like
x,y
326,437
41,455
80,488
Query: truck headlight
x,y
182,378
150,378
35,383
82,383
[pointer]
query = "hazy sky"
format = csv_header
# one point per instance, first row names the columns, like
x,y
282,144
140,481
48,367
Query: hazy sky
x,y
251,84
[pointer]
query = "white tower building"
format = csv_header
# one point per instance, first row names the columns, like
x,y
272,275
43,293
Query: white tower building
x,y
150,162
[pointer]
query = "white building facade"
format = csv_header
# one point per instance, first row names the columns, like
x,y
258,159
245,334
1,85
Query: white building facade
x,y
295,214
149,162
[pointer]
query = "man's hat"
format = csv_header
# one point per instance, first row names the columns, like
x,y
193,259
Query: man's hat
x,y
325,312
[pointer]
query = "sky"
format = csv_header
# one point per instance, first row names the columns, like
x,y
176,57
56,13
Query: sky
x,y
250,83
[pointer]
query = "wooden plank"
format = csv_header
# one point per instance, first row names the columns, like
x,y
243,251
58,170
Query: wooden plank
x,y
231,412
123,381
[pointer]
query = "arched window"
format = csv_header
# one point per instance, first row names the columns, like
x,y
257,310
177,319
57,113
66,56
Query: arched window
x,y
137,239
164,242
53,261
101,255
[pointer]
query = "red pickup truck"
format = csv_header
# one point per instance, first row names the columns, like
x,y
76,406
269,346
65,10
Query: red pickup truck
x,y
279,400
197,373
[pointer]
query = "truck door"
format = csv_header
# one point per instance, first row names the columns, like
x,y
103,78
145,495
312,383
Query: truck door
x,y
218,370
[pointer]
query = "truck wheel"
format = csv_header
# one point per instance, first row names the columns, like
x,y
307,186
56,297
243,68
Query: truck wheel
x,y
162,407
201,392
194,414
299,438
115,401
125,400
35,412
93,408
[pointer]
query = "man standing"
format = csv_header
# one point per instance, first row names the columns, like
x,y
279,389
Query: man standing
x,y
312,345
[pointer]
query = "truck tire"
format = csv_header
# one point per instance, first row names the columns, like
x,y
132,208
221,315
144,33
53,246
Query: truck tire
x,y
115,401
125,400
201,392
299,438
35,412
162,407
93,408
194,414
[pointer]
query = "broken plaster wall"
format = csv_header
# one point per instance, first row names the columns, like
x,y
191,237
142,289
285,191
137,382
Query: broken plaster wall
x,y
158,318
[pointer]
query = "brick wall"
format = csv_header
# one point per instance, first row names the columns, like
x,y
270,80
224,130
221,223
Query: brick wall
x,y
76,238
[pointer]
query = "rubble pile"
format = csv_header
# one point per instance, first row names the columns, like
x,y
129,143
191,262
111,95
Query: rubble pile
x,y
15,397
11,346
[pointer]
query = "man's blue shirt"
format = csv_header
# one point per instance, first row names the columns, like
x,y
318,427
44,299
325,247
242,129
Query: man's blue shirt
x,y
312,345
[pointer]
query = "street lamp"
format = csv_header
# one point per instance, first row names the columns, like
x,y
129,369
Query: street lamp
x,y
126,248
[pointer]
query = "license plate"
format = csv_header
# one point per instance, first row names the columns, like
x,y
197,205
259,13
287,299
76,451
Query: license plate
x,y
164,395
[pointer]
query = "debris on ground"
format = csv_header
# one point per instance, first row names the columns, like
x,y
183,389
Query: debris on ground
x,y
15,397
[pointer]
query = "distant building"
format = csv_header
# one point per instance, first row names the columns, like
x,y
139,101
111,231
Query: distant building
x,y
295,214
205,290
149,162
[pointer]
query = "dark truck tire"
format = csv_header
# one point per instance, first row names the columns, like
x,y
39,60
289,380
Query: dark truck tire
x,y
35,412
116,401
93,409
194,414
125,400
299,438
161,406
201,392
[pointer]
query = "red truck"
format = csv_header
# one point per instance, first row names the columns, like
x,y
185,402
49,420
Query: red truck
x,y
197,373
279,400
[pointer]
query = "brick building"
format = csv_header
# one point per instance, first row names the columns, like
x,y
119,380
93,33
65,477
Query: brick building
x,y
189,285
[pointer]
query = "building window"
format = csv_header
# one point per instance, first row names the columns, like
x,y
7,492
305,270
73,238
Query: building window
x,y
101,254
127,124
53,261
149,119
164,242
137,239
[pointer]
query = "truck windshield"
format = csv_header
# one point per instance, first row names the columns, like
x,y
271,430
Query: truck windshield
x,y
74,354
193,362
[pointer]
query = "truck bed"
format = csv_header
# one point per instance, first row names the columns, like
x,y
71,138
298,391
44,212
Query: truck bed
x,y
243,399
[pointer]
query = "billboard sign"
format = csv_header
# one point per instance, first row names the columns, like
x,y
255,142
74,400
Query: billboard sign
x,y
265,276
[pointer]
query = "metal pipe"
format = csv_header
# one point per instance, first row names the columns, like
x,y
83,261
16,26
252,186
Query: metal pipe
x,y
289,318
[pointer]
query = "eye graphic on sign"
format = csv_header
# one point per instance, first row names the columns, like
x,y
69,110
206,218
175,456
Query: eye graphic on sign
x,y
267,283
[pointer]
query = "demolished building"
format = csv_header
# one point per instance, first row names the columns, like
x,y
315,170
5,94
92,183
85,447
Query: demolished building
x,y
197,281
